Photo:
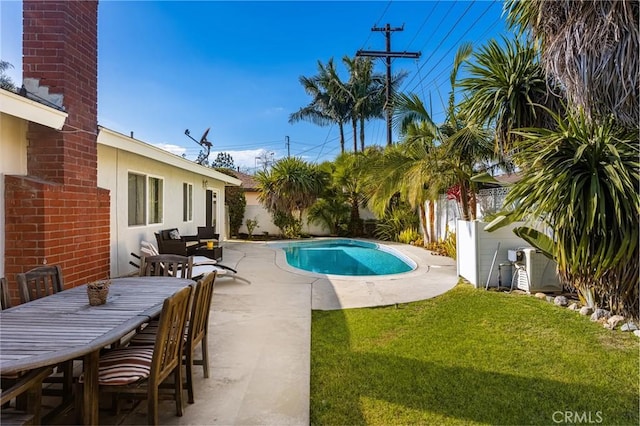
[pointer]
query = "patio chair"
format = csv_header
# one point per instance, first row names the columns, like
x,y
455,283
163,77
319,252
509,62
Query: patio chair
x,y
207,233
28,388
40,282
171,242
166,265
197,332
5,300
139,371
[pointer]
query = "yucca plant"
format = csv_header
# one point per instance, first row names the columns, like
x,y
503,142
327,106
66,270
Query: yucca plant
x,y
581,181
590,48
504,88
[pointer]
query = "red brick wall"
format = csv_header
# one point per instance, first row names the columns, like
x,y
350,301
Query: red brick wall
x,y
60,48
56,225
57,214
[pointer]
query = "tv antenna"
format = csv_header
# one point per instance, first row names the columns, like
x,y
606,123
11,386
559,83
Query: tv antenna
x,y
204,143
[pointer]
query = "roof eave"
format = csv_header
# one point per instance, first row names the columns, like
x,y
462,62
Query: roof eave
x,y
27,109
108,137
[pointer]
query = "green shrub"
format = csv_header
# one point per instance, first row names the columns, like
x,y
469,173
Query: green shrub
x,y
408,236
393,223
252,224
446,247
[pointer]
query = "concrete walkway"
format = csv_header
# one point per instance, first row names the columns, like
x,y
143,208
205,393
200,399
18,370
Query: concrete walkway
x,y
260,333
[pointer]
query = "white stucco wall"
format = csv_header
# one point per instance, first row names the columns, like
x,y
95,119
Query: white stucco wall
x,y
255,210
13,161
117,157
476,247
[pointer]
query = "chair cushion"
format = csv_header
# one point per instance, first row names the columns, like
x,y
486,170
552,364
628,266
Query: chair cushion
x,y
148,248
122,366
174,234
147,337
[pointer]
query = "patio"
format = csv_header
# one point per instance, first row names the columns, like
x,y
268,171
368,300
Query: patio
x,y
260,335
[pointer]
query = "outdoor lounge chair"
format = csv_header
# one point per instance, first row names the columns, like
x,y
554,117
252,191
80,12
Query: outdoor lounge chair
x,y
201,265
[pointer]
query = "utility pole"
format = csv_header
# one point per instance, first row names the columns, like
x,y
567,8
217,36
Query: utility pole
x,y
288,146
388,54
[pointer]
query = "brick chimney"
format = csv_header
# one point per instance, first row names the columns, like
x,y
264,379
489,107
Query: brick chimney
x,y
57,214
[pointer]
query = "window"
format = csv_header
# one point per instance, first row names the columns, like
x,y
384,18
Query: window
x,y
187,202
137,191
155,200
145,199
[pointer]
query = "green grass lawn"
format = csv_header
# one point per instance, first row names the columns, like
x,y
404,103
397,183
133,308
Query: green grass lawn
x,y
471,357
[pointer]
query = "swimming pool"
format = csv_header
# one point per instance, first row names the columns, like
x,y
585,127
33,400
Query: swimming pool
x,y
345,257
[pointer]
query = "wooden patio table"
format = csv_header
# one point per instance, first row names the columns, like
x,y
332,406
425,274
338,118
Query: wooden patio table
x,y
63,326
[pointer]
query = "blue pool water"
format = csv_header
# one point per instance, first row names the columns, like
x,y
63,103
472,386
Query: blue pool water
x,y
345,257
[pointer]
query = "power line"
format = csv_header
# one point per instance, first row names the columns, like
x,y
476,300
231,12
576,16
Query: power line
x,y
441,41
453,46
388,54
376,24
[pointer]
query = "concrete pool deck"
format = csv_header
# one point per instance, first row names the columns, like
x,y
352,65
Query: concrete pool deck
x,y
429,279
260,333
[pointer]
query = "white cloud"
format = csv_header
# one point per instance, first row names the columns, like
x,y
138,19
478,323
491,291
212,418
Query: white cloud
x,y
174,149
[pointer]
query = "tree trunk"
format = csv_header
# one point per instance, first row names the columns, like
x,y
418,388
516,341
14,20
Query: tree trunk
x,y
341,126
464,198
355,216
361,134
354,123
432,221
423,222
474,204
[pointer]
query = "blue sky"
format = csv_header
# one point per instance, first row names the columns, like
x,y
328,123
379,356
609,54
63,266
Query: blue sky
x,y
167,66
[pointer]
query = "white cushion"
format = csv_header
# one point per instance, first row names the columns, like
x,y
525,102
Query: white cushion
x,y
151,249
203,269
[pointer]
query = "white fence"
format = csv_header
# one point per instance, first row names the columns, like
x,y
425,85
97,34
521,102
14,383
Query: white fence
x,y
447,212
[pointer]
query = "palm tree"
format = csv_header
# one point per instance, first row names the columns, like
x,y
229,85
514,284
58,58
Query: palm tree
x,y
504,85
5,81
431,158
466,145
406,170
367,92
291,186
347,177
591,49
330,104
331,210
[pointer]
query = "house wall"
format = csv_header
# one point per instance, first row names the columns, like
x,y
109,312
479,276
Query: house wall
x,y
56,214
476,248
13,161
114,166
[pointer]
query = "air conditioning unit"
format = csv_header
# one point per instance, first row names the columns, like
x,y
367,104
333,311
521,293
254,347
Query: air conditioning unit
x,y
535,272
